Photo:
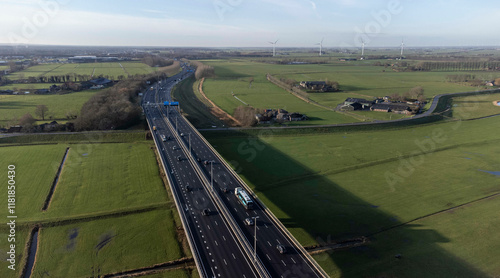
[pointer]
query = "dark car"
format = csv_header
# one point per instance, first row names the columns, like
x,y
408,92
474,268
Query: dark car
x,y
198,159
179,158
281,248
205,212
189,188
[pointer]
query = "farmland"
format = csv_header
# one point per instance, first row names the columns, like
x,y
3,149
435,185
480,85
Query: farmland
x,y
360,79
106,195
339,186
108,245
14,106
113,70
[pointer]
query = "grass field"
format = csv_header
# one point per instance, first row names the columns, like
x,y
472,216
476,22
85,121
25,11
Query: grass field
x,y
459,243
357,79
194,105
339,186
472,107
36,167
234,77
14,106
113,70
21,237
107,177
107,246
110,211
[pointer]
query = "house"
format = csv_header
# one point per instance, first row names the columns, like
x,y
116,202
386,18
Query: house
x,y
297,117
314,85
364,103
3,130
49,126
263,119
6,92
54,88
16,128
101,81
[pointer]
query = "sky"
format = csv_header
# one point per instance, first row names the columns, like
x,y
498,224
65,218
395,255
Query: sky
x,y
251,23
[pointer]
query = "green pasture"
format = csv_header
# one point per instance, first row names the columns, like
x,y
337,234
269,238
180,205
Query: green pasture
x,y
471,107
22,234
111,69
21,88
107,177
262,94
14,106
340,186
358,79
96,179
107,246
36,167
458,243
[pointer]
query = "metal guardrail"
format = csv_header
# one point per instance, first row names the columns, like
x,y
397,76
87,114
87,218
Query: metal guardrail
x,y
278,223
222,208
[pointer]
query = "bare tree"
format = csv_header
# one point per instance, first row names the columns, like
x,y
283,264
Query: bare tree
x,y
41,111
26,119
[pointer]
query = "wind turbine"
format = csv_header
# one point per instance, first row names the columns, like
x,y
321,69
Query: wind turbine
x,y
274,47
362,49
402,48
320,46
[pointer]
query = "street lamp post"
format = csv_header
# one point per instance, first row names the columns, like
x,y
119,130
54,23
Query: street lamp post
x,y
212,174
255,239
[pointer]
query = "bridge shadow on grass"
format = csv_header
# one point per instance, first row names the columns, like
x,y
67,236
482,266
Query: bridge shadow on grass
x,y
319,211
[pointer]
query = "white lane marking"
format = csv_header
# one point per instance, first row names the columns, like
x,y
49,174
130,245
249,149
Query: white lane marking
x,y
269,243
216,223
224,261
208,226
224,238
293,260
216,243
268,257
233,256
278,241
283,262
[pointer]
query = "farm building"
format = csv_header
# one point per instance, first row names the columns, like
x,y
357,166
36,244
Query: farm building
x,y
363,102
392,107
317,86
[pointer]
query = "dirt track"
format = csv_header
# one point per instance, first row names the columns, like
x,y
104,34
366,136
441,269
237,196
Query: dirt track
x,y
216,111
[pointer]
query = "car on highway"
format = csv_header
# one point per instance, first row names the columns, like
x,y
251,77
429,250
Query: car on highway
x,y
179,158
249,221
205,212
174,148
281,248
189,188
182,134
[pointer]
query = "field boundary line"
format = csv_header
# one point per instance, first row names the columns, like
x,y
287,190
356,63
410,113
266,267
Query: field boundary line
x,y
492,196
55,182
94,216
186,262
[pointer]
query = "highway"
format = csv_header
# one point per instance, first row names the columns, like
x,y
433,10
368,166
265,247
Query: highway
x,y
216,251
270,232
